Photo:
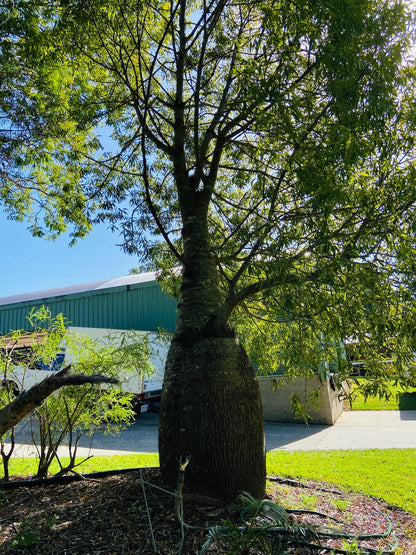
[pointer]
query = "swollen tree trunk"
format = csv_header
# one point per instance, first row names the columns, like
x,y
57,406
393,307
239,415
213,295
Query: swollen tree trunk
x,y
211,411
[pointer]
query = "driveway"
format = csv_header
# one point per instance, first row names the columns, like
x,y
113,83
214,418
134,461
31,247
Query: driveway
x,y
353,430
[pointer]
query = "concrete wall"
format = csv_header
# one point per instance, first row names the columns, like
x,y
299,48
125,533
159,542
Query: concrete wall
x,y
277,405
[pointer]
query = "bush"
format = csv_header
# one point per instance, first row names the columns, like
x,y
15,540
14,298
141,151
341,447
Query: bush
x,y
72,411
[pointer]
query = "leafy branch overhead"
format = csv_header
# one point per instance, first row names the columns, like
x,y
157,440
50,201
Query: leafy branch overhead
x,y
305,168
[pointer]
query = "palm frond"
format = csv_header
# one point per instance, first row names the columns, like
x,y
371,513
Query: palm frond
x,y
264,510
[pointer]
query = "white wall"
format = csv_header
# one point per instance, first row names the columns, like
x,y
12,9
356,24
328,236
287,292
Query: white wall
x,y
277,405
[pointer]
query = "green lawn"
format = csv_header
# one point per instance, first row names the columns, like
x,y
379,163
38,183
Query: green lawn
x,y
27,466
387,474
399,400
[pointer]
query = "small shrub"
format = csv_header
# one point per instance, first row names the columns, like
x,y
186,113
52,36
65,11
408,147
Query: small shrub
x,y
341,504
351,548
308,501
71,412
28,535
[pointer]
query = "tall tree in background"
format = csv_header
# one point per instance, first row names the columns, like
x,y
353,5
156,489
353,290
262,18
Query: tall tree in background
x,y
266,147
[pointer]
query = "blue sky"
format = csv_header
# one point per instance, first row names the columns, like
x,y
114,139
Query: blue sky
x,y
32,264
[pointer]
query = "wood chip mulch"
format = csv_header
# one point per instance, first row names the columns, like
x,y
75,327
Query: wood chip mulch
x,y
109,516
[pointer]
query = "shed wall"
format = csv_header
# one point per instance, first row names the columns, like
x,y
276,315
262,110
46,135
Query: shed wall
x,y
277,406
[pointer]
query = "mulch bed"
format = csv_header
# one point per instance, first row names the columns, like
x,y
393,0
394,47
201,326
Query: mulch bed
x,y
108,516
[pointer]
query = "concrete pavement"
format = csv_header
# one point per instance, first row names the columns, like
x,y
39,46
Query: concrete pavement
x,y
353,430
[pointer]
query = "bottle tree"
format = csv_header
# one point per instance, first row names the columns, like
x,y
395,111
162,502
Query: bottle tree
x,y
265,148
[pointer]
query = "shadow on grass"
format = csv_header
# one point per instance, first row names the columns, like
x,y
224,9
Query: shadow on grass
x,y
407,401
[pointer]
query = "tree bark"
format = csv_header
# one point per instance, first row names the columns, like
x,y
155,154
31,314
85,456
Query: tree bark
x,y
211,409
211,413
15,411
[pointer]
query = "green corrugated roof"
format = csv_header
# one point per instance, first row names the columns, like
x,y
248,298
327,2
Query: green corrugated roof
x,y
132,302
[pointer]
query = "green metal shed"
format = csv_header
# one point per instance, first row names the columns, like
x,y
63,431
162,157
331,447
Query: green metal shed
x,y
131,302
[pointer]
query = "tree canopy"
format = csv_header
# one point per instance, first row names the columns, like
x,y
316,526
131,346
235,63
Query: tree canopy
x,y
266,147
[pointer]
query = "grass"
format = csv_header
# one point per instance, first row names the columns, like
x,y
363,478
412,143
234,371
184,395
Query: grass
x,y
27,466
384,473
400,399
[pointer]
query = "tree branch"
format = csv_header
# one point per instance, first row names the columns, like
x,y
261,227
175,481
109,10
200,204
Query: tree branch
x,y
15,411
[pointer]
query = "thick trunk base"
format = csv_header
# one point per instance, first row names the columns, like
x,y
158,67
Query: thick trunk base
x,y
211,413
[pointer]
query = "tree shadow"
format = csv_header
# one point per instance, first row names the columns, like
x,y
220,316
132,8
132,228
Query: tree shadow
x,y
407,405
286,436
